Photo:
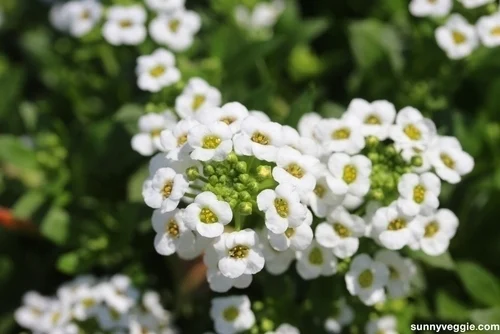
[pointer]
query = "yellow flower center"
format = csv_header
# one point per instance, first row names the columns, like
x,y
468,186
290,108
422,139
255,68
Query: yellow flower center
x,y
228,120
157,71
125,23
320,191
173,25
419,194
447,160
495,31
239,252
295,170
412,132
181,140
85,15
198,101
155,132
167,188
341,230
458,37
350,174
88,302
281,207
365,279
230,314
260,138
211,142
431,229
172,228
316,256
372,120
55,317
342,133
393,273
207,216
397,224
290,232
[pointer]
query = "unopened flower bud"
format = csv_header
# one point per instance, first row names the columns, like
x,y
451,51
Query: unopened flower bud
x,y
244,196
390,150
377,194
267,325
233,203
264,172
372,141
192,173
253,186
208,170
245,208
223,179
232,158
244,178
239,187
213,180
417,161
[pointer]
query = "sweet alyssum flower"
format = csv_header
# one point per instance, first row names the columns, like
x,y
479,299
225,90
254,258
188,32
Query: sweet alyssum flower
x,y
400,272
210,142
125,25
220,283
304,145
232,314
196,96
157,70
307,125
174,140
439,229
239,253
349,174
315,261
165,5
386,325
433,8
340,135
147,141
264,15
341,232
119,293
171,232
376,117
298,238
282,208
366,279
419,193
488,30
412,129
207,215
285,329
277,262
296,169
258,138
457,37
176,29
322,199
232,113
449,160
474,3
81,16
343,317
165,190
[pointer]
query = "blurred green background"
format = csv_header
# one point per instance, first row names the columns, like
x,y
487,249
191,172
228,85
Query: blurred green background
x,y
70,184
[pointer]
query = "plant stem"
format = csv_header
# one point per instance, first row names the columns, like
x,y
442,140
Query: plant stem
x,y
237,220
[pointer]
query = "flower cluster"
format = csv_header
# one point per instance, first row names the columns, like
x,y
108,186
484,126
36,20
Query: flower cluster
x,y
91,305
173,25
457,37
250,194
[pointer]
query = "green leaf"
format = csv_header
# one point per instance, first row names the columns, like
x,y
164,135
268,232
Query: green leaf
x,y
487,316
128,115
448,308
68,263
443,261
30,202
310,29
55,225
14,152
303,104
481,285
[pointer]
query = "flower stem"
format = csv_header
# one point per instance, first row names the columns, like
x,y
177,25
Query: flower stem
x,y
202,178
190,195
237,220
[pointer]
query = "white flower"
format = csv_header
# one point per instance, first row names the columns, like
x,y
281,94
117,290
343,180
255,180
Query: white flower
x,y
82,16
175,30
457,37
165,5
386,325
152,304
33,308
282,208
366,279
232,314
341,232
418,193
322,200
304,145
147,141
401,272
58,16
109,318
262,116
433,8
376,117
340,135
55,318
210,142
449,160
488,29
307,124
174,140
296,169
412,129
475,3
156,71
298,238
264,15
276,262
171,232
315,261
200,245
87,303
119,293
285,329
196,96
232,114
408,152
165,190
439,229
258,138
125,25
207,215
344,317
349,175
239,253
393,229
220,283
